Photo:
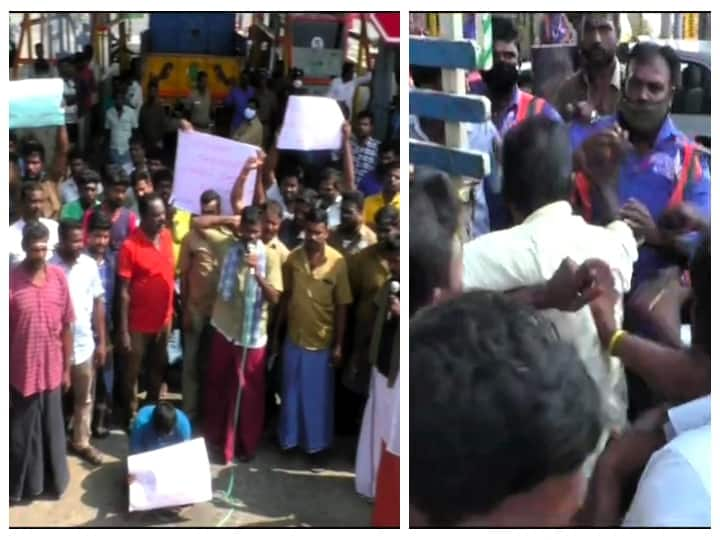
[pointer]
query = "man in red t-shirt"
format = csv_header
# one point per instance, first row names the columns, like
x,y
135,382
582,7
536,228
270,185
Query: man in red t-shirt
x,y
146,268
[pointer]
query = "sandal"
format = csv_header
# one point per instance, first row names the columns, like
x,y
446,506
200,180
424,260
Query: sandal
x,y
89,454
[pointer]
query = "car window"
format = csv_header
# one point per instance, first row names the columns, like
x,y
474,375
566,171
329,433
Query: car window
x,y
693,95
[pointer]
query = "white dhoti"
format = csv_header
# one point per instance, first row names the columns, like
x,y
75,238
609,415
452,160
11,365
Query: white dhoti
x,y
376,424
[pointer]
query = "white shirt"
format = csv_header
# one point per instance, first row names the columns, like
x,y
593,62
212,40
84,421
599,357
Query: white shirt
x,y
530,253
15,236
71,111
674,489
135,96
121,127
274,194
345,91
333,212
85,287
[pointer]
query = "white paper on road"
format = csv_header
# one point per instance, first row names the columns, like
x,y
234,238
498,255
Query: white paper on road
x,y
172,476
311,123
209,162
36,103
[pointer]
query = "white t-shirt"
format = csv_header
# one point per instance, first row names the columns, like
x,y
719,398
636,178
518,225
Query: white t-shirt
x,y
274,194
135,96
121,127
71,111
333,212
530,253
345,91
15,236
674,489
85,287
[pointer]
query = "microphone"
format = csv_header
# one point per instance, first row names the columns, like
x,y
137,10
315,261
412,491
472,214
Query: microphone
x,y
395,291
249,250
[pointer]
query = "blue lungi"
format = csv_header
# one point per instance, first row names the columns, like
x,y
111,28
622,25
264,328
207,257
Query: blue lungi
x,y
307,415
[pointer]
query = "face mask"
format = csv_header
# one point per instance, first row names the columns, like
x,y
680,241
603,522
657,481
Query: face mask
x,y
646,118
297,83
249,113
501,78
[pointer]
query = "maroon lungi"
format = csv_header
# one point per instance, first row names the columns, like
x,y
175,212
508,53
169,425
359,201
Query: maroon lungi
x,y
222,385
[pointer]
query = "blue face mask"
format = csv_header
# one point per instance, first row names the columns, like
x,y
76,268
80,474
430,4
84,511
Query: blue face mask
x,y
249,113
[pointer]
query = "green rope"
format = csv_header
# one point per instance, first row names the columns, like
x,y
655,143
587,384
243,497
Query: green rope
x,y
249,304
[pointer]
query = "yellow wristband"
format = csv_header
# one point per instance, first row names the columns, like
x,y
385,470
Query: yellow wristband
x,y
614,340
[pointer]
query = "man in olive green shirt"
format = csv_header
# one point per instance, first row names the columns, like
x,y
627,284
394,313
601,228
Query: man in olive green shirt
x,y
315,304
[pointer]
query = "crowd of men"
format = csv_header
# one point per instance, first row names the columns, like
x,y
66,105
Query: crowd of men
x,y
286,310
561,357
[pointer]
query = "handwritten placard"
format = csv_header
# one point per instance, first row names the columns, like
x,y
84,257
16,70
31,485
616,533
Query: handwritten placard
x,y
209,162
172,476
311,123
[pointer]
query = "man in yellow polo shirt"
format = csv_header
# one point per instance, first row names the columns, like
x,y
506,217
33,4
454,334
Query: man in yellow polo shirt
x,y
317,293
178,220
390,194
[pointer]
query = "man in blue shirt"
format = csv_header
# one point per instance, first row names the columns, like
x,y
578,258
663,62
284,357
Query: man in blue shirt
x,y
656,168
372,182
510,106
158,426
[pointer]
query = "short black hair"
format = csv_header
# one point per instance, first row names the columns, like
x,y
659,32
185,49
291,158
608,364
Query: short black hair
x,y
504,29
254,101
34,231
700,279
316,215
140,174
387,214
307,196
146,201
99,221
251,215
435,217
67,226
391,244
210,195
154,154
162,175
329,173
89,176
28,187
136,140
202,74
272,207
75,154
537,164
354,197
116,176
365,114
499,404
293,170
390,146
33,146
647,51
164,418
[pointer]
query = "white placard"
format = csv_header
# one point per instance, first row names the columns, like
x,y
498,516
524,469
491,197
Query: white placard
x,y
36,103
209,162
172,476
311,123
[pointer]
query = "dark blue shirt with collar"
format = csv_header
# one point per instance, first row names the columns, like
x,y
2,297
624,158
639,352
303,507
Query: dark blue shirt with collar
x,y
651,179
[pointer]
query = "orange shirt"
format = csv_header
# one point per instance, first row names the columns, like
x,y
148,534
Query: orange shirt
x,y
151,273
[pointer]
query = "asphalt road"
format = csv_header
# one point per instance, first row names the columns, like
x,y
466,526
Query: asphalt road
x,y
274,490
